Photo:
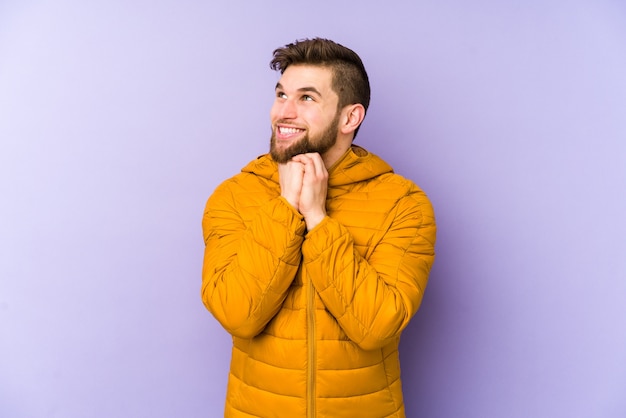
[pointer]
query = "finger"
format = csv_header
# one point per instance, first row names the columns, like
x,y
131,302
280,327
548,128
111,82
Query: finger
x,y
313,161
305,162
300,159
293,168
320,167
314,165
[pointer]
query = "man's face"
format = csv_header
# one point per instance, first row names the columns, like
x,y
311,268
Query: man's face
x,y
304,115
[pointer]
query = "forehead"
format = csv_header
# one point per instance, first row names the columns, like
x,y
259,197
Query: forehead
x,y
303,76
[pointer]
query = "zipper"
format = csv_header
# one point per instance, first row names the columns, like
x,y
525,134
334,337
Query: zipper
x,y
311,351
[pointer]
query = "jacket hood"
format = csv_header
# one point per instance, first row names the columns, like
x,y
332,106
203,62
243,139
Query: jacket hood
x,y
356,165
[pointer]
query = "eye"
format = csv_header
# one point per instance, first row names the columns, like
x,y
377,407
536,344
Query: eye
x,y
307,98
281,95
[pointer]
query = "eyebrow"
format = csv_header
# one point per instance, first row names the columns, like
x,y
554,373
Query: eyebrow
x,y
301,89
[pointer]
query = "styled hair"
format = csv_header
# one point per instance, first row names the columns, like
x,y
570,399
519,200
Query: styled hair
x,y
349,78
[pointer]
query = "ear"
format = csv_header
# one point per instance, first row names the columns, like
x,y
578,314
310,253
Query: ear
x,y
351,118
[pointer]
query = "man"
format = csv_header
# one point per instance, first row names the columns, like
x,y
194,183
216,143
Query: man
x,y
317,254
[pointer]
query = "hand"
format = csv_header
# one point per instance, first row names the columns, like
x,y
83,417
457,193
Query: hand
x,y
312,200
290,176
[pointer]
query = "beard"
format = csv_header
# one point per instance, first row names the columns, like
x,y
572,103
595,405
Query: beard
x,y
319,143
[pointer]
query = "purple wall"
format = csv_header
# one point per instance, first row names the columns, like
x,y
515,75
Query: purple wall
x,y
117,120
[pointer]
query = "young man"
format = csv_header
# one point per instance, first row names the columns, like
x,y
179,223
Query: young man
x,y
317,254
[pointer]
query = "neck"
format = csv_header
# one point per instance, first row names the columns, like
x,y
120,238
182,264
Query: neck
x,y
331,156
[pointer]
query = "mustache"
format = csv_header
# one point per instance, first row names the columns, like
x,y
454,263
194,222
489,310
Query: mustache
x,y
285,122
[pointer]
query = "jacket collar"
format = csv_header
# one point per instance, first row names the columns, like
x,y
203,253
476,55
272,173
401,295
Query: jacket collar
x,y
356,165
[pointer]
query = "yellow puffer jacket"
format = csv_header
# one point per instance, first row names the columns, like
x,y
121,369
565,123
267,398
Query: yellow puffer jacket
x,y
316,316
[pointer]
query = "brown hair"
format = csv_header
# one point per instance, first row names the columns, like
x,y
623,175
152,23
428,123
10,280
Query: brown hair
x,y
350,80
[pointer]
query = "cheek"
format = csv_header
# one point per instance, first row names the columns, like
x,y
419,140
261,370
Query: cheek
x,y
322,119
313,116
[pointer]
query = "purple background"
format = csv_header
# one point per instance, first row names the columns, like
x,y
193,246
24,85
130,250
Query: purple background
x,y
118,119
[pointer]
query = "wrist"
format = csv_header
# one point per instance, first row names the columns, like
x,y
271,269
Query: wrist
x,y
292,200
313,220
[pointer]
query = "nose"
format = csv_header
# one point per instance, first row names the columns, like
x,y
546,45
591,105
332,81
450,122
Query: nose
x,y
288,110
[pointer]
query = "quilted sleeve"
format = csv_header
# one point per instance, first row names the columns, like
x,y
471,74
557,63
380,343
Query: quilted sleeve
x,y
373,299
248,269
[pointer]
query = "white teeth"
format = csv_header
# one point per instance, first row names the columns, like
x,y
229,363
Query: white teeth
x,y
288,131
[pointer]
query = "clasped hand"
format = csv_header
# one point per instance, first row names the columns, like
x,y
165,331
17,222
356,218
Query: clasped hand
x,y
304,183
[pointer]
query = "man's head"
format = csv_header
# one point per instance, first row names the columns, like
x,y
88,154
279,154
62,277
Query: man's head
x,y
350,80
316,74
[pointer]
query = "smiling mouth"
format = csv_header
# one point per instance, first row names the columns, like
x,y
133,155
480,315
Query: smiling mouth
x,y
289,131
